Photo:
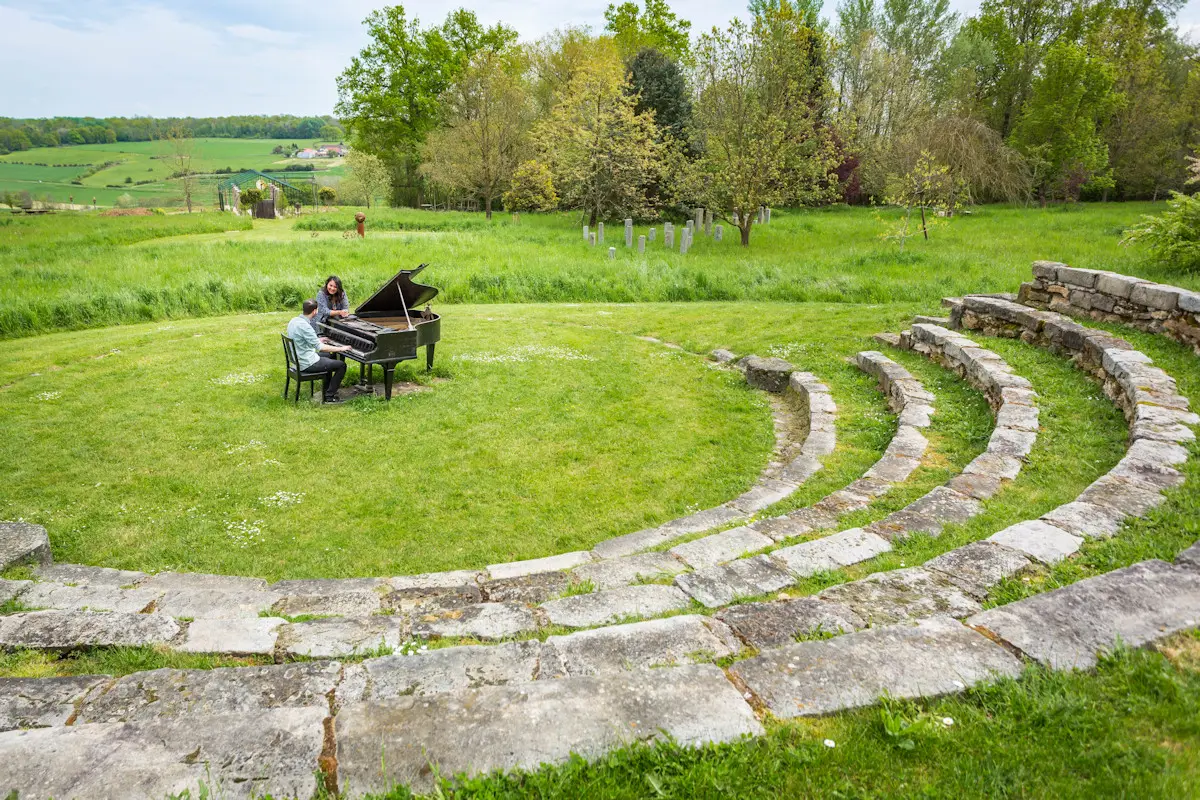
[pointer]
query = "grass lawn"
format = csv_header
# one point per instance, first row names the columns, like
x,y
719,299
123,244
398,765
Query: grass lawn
x,y
828,256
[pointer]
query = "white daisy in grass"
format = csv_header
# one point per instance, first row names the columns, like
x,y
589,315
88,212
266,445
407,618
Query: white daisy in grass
x,y
282,499
47,396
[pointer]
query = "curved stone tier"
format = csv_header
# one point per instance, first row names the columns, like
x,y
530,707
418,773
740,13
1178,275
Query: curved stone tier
x,y
1112,297
1159,422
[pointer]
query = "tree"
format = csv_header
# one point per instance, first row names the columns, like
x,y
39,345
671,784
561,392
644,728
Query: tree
x,y
602,153
760,118
327,195
488,113
181,145
1059,127
928,185
656,27
660,86
367,178
388,97
532,188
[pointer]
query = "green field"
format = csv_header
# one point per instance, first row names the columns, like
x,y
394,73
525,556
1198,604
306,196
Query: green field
x,y
144,429
49,171
832,255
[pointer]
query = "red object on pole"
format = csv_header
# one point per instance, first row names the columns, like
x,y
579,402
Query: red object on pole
x,y
361,218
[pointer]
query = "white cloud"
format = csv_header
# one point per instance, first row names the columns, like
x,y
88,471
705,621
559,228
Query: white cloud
x,y
257,33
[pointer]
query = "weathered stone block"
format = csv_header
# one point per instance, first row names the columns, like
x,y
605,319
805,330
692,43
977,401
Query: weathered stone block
x,y
79,630
781,622
1041,540
170,581
1086,519
912,593
1065,628
768,374
933,657
486,621
23,543
627,570
720,547
201,693
77,575
335,638
1116,285
643,645
978,566
763,494
747,577
359,603
1153,295
233,755
452,669
42,702
831,552
217,604
532,589
241,637
437,580
600,608
506,727
563,561
77,598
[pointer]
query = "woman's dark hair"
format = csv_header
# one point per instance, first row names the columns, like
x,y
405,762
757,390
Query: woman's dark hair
x,y
340,292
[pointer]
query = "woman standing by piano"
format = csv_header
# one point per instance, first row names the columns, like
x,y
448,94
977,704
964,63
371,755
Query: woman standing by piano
x,y
331,302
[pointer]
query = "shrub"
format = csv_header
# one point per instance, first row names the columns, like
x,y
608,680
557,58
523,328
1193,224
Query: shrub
x,y
532,189
251,197
125,201
327,195
1174,235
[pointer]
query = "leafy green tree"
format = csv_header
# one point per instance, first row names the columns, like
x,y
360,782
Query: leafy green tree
x,y
660,87
927,186
1059,127
531,189
656,27
367,179
327,195
389,95
760,118
602,153
488,113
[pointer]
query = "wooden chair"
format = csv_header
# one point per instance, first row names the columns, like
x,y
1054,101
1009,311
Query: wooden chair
x,y
292,359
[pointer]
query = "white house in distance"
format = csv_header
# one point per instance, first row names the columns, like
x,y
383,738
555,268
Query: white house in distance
x,y
331,150
307,152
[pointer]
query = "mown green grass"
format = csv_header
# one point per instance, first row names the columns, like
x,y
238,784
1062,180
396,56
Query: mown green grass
x,y
830,255
124,447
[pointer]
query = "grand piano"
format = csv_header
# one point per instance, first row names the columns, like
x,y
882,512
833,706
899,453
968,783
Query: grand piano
x,y
389,327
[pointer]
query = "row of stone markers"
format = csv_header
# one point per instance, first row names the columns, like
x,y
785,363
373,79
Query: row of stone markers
x,y
702,221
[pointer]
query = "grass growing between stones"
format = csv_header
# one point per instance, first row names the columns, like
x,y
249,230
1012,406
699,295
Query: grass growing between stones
x,y
115,661
1132,729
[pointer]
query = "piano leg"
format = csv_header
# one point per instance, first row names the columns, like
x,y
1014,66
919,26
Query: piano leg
x,y
362,371
428,357
388,372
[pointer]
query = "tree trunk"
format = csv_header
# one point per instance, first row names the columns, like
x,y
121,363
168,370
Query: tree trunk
x,y
924,228
592,218
487,206
745,229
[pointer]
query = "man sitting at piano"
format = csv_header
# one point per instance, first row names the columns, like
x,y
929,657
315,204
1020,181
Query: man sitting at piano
x,y
309,349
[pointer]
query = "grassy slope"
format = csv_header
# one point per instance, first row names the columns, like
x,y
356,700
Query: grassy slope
x,y
830,255
139,161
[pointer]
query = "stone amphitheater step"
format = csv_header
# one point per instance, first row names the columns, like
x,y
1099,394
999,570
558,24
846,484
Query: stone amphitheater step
x,y
924,659
1159,417
914,405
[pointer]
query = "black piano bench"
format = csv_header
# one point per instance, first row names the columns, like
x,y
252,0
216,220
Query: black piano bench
x,y
293,372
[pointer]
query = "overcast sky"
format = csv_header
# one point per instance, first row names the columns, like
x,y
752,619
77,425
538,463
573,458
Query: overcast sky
x,y
220,57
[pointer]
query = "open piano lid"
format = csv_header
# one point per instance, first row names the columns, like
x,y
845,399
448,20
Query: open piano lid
x,y
401,288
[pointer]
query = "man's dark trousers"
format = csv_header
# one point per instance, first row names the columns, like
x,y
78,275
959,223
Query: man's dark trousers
x,y
337,370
